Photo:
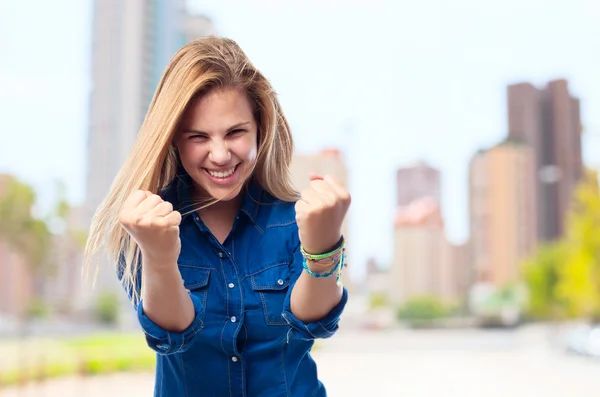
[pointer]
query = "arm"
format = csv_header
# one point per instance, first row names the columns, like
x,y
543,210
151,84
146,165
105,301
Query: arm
x,y
168,314
319,214
164,299
313,298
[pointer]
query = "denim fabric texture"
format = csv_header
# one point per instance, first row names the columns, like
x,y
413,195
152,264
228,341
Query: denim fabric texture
x,y
244,340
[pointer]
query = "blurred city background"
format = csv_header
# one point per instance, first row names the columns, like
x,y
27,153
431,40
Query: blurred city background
x,y
468,133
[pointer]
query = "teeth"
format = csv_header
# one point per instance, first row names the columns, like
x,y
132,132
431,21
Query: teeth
x,y
222,174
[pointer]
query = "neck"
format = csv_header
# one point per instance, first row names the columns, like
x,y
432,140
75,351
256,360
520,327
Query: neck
x,y
225,209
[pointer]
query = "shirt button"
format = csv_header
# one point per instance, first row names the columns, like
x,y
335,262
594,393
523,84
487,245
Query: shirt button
x,y
231,285
280,282
233,319
234,359
220,254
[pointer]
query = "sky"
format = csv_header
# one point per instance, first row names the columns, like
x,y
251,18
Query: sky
x,y
388,82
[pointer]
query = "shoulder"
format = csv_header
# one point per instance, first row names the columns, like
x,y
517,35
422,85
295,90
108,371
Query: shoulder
x,y
276,213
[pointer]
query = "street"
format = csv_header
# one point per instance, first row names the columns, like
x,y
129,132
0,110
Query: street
x,y
427,363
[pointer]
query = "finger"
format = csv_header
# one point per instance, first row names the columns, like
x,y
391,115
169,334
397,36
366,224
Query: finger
x,y
149,203
326,194
310,196
337,186
173,219
162,209
134,200
300,207
322,187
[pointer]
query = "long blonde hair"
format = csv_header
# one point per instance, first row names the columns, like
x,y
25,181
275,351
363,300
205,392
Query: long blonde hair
x,y
197,68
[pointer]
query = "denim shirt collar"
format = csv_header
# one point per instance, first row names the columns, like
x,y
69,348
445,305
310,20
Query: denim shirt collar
x,y
253,196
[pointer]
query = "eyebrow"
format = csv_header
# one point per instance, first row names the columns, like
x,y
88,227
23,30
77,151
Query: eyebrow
x,y
233,127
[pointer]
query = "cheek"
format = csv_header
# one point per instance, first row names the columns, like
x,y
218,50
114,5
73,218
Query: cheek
x,y
192,154
245,149
252,148
252,154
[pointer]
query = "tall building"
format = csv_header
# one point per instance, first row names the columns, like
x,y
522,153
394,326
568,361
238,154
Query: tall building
x,y
133,42
417,181
328,161
419,250
501,211
549,121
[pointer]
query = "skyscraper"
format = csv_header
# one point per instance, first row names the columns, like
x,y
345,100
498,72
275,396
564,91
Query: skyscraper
x,y
419,247
548,120
133,42
417,181
501,211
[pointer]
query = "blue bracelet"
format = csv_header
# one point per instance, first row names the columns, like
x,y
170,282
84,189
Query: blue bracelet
x,y
336,269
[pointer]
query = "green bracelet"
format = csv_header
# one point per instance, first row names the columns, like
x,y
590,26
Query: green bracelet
x,y
318,257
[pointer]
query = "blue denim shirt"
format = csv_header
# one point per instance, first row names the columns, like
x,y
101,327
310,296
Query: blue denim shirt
x,y
244,340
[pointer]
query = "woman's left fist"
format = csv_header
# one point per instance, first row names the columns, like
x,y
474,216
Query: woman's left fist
x,y
320,213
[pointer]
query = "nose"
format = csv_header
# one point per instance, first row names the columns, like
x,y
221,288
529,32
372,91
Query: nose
x,y
219,153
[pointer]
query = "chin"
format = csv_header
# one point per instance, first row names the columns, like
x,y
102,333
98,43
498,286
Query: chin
x,y
224,194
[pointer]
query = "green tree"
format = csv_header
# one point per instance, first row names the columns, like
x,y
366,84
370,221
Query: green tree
x,y
563,278
107,308
378,300
422,311
23,232
579,278
541,273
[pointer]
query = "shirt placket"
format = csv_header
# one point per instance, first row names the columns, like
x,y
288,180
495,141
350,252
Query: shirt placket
x,y
232,324
234,311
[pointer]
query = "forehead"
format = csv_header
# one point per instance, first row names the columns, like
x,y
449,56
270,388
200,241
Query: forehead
x,y
218,109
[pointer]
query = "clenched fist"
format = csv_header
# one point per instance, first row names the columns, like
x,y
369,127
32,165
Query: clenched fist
x,y
320,213
154,226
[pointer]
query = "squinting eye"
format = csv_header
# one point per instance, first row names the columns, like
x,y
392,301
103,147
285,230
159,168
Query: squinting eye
x,y
197,137
236,132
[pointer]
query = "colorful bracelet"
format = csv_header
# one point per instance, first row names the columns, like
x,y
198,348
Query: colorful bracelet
x,y
318,257
326,262
338,268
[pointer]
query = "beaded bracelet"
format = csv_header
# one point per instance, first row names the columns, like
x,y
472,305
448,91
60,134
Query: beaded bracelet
x,y
338,268
326,262
319,257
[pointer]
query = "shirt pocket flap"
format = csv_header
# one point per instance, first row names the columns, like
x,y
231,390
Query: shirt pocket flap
x,y
274,278
195,278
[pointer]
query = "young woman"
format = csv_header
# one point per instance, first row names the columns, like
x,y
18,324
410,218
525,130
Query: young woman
x,y
232,273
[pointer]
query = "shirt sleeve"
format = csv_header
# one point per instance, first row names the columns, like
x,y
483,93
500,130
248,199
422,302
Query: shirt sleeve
x,y
158,339
169,342
320,329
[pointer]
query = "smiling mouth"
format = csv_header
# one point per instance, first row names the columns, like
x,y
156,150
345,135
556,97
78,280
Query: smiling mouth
x,y
221,174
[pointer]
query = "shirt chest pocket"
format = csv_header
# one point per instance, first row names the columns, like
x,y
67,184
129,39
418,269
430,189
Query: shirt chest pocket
x,y
195,281
272,286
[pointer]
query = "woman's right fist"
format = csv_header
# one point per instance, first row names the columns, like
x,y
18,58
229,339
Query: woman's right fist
x,y
154,226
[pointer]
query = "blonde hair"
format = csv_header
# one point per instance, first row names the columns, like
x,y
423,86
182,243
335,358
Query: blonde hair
x,y
197,68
